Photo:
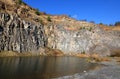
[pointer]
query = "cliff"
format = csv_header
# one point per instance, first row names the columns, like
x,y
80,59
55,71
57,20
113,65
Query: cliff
x,y
22,30
89,41
20,35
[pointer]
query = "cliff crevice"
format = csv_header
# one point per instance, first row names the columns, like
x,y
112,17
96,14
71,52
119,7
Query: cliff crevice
x,y
20,35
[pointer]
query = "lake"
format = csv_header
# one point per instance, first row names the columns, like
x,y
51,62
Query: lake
x,y
42,67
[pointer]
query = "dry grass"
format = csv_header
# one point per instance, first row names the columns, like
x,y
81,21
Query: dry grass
x,y
116,28
93,57
117,59
26,12
11,53
115,53
83,55
8,2
53,52
48,52
8,53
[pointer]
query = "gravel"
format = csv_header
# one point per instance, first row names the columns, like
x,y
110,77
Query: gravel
x,y
110,70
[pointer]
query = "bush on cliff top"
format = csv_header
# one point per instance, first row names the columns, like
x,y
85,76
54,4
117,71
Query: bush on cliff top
x,y
117,23
49,19
37,12
20,1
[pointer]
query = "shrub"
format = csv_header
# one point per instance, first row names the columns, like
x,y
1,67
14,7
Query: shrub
x,y
83,20
90,28
111,25
41,21
83,28
101,23
83,52
117,23
37,12
92,21
20,1
80,28
49,19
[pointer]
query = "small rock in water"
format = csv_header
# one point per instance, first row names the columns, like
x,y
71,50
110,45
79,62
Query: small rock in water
x,y
84,71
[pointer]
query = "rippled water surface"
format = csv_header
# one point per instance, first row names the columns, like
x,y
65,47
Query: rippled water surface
x,y
42,67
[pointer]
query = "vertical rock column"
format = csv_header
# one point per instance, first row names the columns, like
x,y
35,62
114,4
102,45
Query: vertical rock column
x,y
19,35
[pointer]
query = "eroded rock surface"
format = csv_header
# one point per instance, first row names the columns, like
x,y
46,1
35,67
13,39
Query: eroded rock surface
x,y
20,35
91,41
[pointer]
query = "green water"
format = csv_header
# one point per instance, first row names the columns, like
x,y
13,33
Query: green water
x,y
42,67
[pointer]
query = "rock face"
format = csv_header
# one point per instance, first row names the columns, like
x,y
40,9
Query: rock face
x,y
20,35
91,41
25,36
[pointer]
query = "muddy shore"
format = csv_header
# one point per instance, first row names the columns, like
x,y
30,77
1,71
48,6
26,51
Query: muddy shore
x,y
110,70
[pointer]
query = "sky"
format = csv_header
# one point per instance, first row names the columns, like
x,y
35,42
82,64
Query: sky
x,y
99,11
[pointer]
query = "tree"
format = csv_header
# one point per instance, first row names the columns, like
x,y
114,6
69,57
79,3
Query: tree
x,y
92,22
111,25
90,29
83,52
37,12
49,19
117,23
41,21
101,23
83,20
20,1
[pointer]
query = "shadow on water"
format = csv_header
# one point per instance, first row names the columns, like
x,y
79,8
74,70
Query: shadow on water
x,y
42,67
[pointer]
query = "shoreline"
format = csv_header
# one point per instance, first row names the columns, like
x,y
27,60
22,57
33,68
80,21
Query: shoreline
x,y
90,58
110,70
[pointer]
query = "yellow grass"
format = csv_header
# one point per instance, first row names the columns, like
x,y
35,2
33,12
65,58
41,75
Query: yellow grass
x,y
93,57
48,52
56,52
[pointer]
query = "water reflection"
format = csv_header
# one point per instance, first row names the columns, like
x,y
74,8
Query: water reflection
x,y
41,67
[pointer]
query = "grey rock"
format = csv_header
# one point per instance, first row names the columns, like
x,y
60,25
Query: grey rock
x,y
107,72
20,35
96,41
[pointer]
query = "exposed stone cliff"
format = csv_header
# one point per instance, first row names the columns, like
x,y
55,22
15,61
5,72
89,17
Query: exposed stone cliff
x,y
87,41
20,35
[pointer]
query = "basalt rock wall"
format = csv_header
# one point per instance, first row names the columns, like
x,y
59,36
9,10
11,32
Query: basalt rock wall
x,y
88,41
20,35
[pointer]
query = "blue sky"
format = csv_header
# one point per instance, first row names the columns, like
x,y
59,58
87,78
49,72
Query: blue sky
x,y
105,11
